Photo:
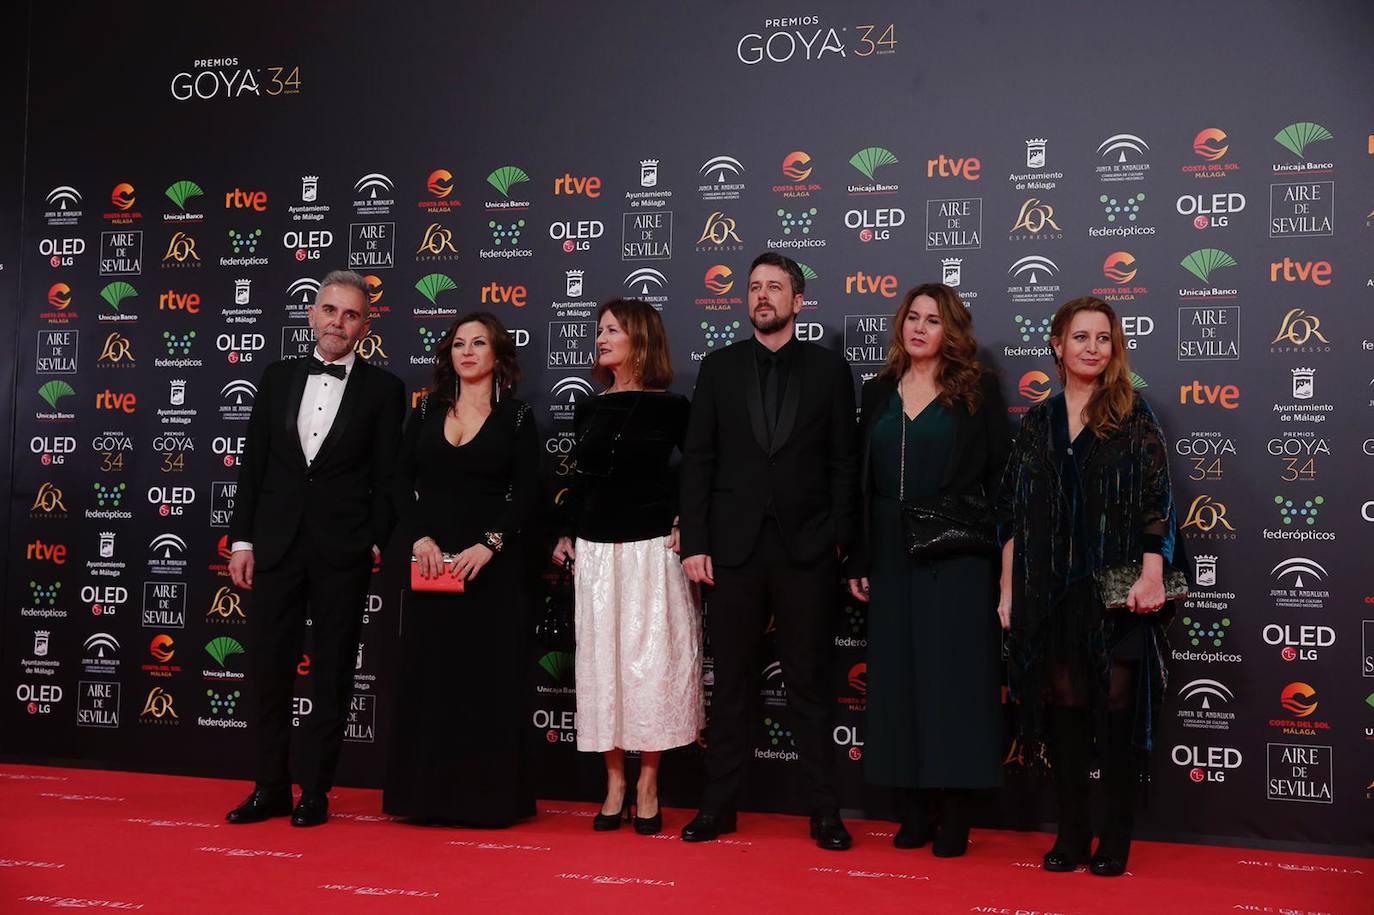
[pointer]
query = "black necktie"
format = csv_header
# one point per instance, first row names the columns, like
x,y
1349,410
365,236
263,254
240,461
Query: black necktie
x,y
769,373
316,367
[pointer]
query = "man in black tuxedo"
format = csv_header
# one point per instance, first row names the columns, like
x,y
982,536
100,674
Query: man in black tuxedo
x,y
312,509
768,504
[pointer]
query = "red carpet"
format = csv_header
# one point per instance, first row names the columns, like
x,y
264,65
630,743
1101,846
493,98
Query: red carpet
x,y
78,838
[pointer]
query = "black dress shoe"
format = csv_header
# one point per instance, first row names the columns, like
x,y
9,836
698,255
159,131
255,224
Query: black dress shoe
x,y
1062,860
262,805
649,826
707,827
313,810
1106,866
608,822
829,832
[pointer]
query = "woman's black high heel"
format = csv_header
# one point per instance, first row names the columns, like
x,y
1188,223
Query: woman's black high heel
x,y
609,822
649,826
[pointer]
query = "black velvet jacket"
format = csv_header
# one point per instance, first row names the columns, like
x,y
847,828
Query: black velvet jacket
x,y
1126,507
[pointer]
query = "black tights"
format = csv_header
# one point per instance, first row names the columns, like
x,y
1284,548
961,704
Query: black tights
x,y
1069,691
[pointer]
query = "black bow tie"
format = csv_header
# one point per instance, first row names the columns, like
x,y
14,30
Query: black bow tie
x,y
316,367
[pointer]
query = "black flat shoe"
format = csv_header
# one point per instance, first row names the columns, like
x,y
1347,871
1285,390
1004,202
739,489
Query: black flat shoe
x,y
313,810
649,826
610,822
829,832
261,805
707,827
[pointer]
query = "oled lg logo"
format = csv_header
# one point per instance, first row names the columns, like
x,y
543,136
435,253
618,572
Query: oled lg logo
x,y
558,726
848,736
1300,643
171,500
240,347
1207,764
1212,211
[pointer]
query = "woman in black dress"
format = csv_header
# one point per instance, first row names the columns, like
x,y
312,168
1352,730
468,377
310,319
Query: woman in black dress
x,y
638,624
932,424
466,487
1087,490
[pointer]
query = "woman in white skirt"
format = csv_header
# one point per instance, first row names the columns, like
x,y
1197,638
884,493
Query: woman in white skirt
x,y
637,620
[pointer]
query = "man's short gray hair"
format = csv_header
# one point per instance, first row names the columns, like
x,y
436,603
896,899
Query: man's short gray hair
x,y
346,278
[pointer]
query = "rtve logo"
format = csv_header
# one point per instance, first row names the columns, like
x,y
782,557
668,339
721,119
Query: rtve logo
x,y
116,402
568,186
38,551
969,169
246,200
860,283
495,294
171,300
1200,394
1318,273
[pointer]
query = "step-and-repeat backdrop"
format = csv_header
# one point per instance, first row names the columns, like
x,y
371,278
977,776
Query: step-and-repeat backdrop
x,y
189,176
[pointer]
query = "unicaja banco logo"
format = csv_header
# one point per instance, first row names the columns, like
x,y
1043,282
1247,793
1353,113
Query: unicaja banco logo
x,y
505,177
1202,262
559,665
181,191
870,159
432,284
221,648
55,390
1297,137
116,292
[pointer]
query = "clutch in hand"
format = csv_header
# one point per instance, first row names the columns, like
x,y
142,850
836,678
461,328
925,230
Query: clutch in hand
x,y
1114,584
446,582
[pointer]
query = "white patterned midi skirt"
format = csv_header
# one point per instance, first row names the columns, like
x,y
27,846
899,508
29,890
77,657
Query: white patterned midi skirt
x,y
638,648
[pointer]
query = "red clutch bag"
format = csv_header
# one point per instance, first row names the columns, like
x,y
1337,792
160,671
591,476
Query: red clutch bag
x,y
445,582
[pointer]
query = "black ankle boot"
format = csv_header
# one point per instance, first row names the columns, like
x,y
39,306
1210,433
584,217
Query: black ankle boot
x,y
1120,781
1069,759
951,840
912,806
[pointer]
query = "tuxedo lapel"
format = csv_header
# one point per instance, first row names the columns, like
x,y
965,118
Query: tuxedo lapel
x,y
748,375
791,398
294,393
348,406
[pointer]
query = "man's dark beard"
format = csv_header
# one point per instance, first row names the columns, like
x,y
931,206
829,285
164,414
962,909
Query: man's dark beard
x,y
770,327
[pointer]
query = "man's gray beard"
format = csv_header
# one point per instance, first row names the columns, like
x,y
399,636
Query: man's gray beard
x,y
770,327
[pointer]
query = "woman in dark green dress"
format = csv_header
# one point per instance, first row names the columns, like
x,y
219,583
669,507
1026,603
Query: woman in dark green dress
x,y
933,423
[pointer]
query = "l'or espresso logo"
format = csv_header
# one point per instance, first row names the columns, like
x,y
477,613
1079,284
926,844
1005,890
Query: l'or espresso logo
x,y
373,349
226,607
1300,332
719,234
159,708
436,245
371,245
1206,520
121,253
1035,222
48,502
181,252
116,353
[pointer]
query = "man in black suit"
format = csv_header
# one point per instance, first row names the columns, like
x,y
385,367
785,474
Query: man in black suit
x,y
313,507
768,504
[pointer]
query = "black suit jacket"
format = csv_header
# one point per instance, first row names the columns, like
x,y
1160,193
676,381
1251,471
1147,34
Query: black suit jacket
x,y
733,476
343,500
982,441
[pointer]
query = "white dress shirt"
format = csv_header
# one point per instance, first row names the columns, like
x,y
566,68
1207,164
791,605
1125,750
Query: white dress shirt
x,y
319,405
